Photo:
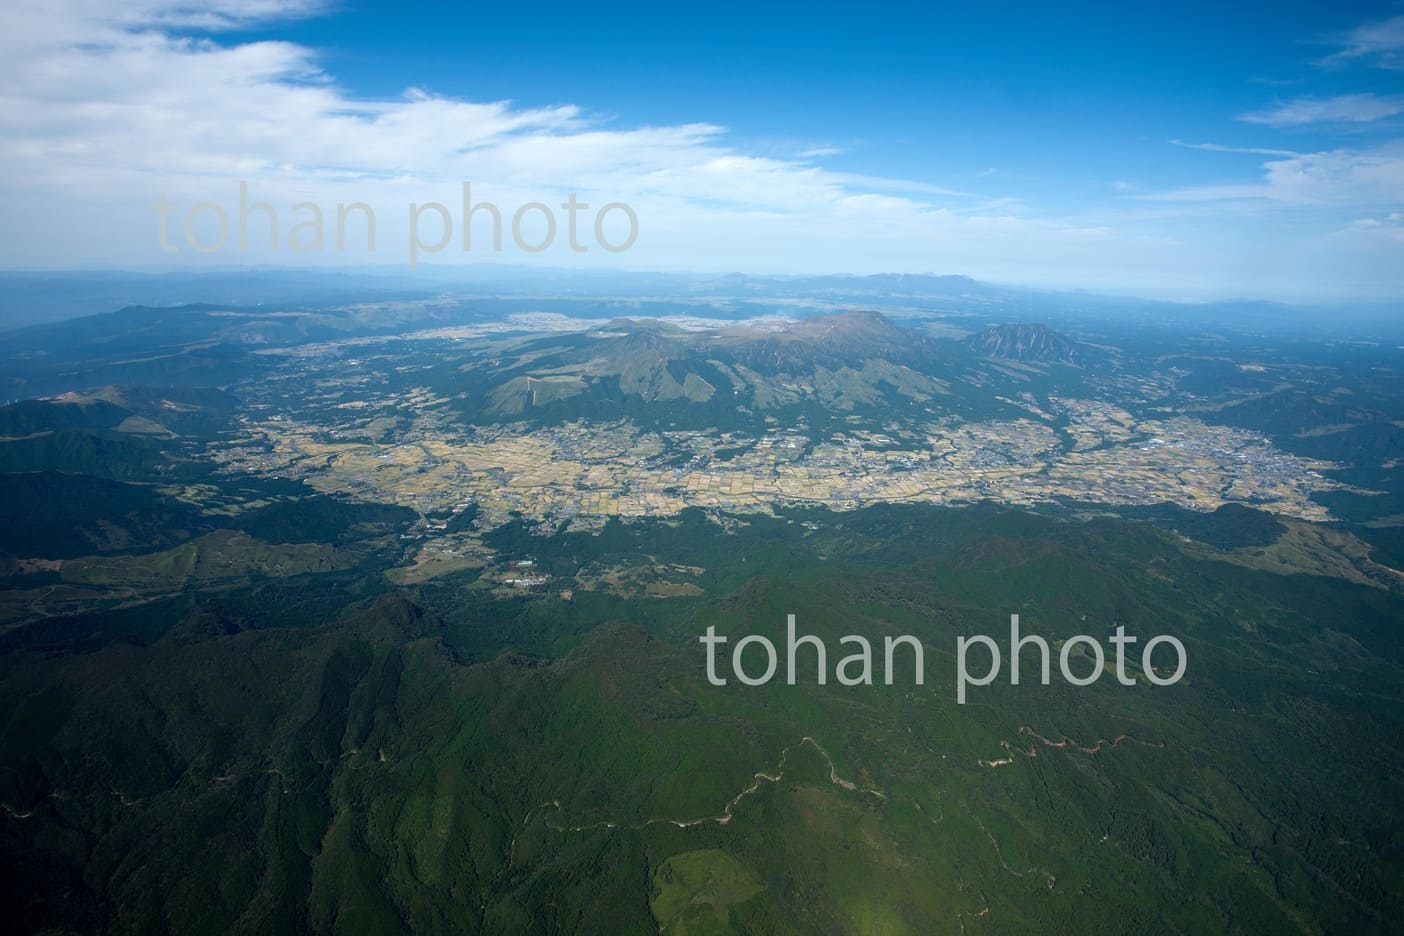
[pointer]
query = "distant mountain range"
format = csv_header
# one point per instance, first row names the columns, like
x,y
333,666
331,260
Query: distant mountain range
x,y
30,298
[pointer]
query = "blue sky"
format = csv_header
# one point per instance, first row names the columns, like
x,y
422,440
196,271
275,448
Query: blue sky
x,y
1068,97
1188,150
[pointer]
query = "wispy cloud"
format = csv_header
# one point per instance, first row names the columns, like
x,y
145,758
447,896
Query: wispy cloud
x,y
1379,44
1367,178
1389,229
1345,108
1241,150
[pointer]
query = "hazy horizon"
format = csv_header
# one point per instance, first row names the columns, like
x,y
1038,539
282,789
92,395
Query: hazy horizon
x,y
471,275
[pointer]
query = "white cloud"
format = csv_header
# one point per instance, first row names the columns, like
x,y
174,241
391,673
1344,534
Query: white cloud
x,y
1389,229
1372,177
1241,150
1380,44
1346,108
104,107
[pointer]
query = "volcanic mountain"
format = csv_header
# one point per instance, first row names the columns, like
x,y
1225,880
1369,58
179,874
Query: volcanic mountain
x,y
651,369
825,340
1025,342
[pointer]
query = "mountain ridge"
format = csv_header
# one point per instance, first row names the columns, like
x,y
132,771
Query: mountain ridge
x,y
1026,342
